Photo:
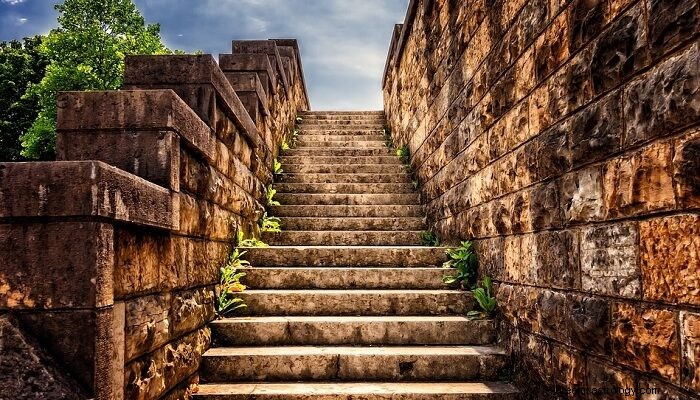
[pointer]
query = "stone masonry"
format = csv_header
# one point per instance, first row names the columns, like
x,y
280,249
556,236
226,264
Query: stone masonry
x,y
562,136
111,254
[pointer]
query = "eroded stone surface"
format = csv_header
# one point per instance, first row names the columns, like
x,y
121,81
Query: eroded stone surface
x,y
690,349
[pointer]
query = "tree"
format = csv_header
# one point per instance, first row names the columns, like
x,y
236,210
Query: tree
x,y
86,52
21,64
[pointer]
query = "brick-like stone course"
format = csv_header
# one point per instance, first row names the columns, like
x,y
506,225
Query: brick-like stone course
x,y
562,137
112,254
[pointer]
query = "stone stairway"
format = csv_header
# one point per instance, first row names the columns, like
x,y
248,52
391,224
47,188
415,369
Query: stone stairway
x,y
345,304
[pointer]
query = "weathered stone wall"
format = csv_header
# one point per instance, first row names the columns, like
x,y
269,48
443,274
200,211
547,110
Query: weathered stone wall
x,y
563,137
111,255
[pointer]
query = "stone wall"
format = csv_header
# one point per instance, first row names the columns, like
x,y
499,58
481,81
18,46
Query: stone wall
x,y
563,137
111,254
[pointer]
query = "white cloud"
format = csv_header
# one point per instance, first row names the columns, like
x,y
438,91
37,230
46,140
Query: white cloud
x,y
13,2
21,21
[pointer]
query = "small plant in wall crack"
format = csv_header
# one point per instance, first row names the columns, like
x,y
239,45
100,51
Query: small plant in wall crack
x,y
404,153
251,242
230,284
284,146
485,299
270,224
270,193
428,238
298,119
277,167
465,263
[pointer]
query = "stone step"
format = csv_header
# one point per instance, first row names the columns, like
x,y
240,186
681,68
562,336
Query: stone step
x,y
340,199
344,278
344,143
387,159
344,168
342,130
352,224
337,152
348,188
355,331
347,211
346,256
325,363
342,238
342,121
359,391
356,302
340,112
379,139
344,178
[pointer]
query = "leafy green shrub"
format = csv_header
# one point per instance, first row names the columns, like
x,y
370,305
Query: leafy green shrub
x,y
428,238
252,242
277,167
284,146
270,193
485,300
404,154
230,284
465,263
270,224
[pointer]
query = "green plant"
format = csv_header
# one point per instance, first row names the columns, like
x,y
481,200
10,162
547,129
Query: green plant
x,y
252,242
299,119
465,263
416,184
295,136
428,238
485,300
277,167
270,193
284,146
270,224
404,154
230,284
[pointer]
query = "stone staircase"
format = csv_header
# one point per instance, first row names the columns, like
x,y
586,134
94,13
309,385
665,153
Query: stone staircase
x,y
345,304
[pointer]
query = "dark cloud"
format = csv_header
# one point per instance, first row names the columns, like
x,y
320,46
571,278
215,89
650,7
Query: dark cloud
x,y
343,42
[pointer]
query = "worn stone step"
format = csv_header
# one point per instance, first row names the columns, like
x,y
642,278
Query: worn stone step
x,y
352,330
352,224
356,302
344,256
349,188
347,211
343,121
347,199
342,238
387,159
345,363
343,143
344,168
344,178
360,391
369,137
337,113
344,278
337,152
342,130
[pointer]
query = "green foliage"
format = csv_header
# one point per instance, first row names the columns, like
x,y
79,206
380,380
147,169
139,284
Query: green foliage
x,y
252,242
404,153
415,184
230,284
86,52
21,65
428,238
295,136
277,167
485,300
465,263
284,146
298,119
270,224
270,193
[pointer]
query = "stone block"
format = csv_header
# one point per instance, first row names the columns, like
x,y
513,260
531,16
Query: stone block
x,y
39,264
520,212
190,310
690,350
152,110
671,22
658,390
553,315
686,167
544,206
557,262
646,339
589,323
609,257
582,195
670,259
553,152
139,257
603,375
640,183
82,189
257,63
586,19
490,255
147,324
664,99
537,358
621,51
569,366
552,48
596,131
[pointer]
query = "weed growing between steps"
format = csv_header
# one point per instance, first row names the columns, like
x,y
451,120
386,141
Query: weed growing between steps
x,y
230,284
277,167
270,224
428,238
485,299
270,193
251,242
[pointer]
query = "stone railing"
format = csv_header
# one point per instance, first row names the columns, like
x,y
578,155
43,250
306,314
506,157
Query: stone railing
x,y
111,255
563,137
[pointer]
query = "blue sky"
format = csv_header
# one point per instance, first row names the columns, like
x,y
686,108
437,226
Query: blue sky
x,y
343,42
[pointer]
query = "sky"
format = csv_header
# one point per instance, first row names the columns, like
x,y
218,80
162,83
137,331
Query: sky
x,y
343,43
